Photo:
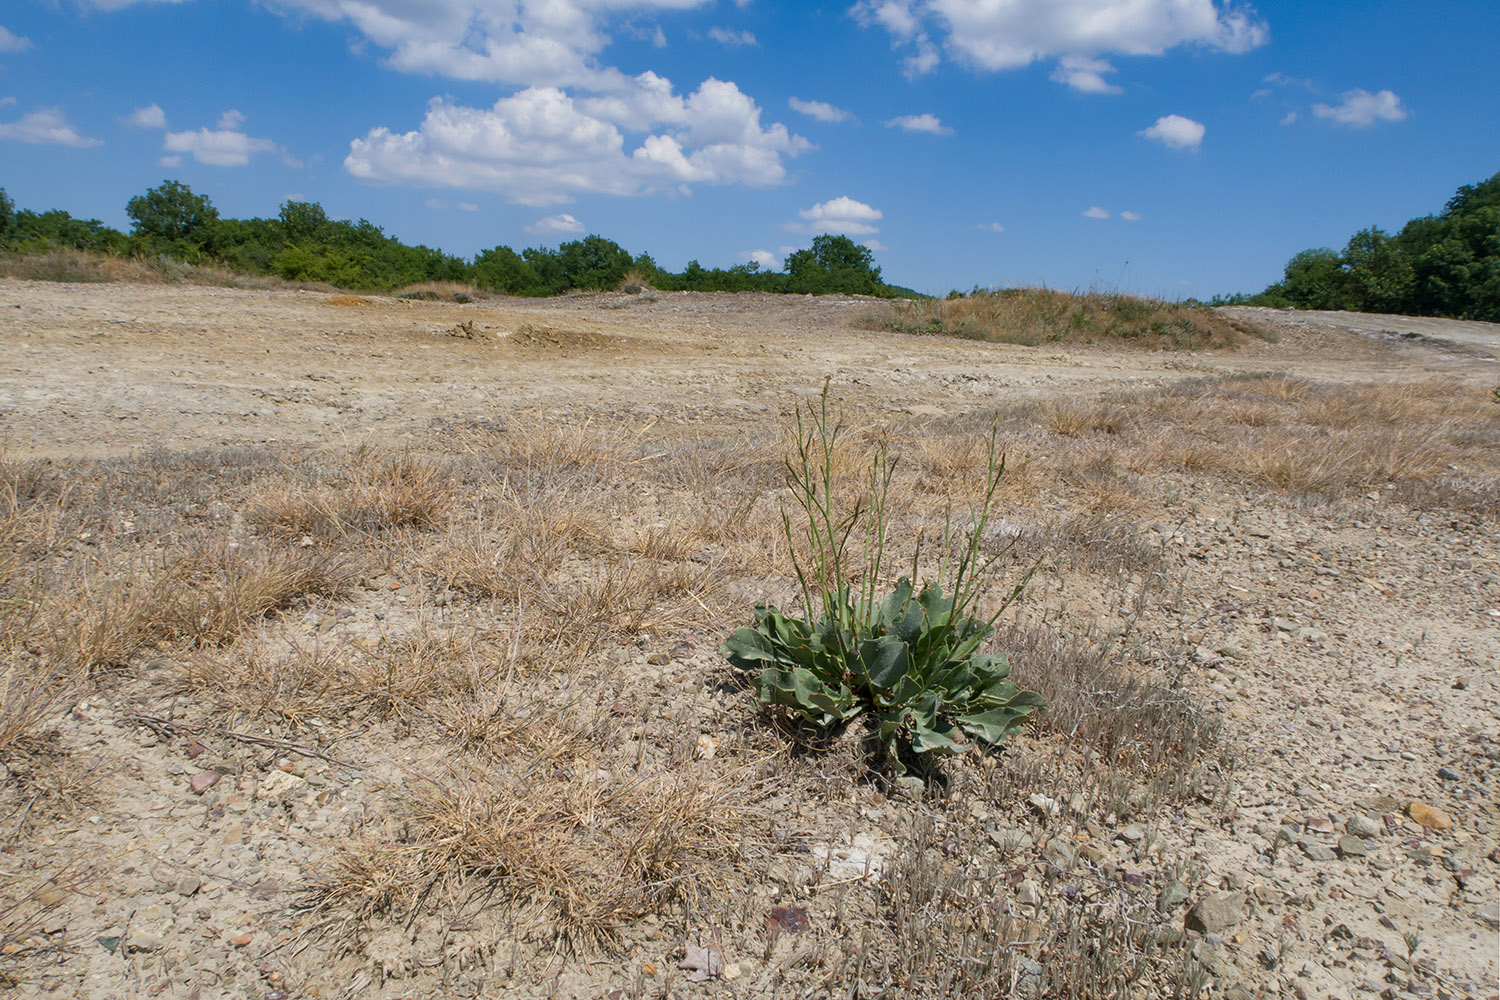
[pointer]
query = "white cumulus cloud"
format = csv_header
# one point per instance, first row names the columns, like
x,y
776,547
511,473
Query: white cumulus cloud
x,y
1095,212
841,215
542,146
46,126
554,224
567,127
991,227
924,122
1085,74
1176,132
731,38
993,35
767,260
523,42
151,116
1360,109
1131,216
11,42
224,145
821,110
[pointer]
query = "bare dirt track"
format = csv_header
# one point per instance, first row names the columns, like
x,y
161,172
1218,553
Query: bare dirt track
x,y
488,747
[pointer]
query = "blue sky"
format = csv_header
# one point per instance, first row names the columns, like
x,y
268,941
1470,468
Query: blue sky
x,y
1172,147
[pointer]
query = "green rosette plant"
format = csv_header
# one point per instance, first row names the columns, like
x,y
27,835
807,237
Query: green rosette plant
x,y
908,661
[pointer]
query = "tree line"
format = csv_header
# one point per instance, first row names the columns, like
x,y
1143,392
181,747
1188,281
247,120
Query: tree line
x,y
1439,265
303,244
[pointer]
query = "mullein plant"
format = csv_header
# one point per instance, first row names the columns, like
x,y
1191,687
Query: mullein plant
x,y
908,661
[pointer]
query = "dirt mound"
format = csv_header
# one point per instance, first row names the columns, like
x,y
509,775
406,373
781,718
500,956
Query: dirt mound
x,y
532,337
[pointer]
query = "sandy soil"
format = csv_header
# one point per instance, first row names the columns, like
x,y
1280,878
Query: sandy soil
x,y
1354,648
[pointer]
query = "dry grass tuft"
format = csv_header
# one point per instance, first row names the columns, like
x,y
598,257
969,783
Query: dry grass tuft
x,y
584,855
203,593
378,494
1145,728
444,291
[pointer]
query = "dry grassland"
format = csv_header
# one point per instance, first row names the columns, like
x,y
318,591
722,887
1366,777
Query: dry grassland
x,y
470,734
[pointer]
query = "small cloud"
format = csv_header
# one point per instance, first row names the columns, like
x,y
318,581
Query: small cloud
x,y
1131,216
225,145
652,34
732,38
1361,109
436,204
820,110
1282,80
552,224
876,245
921,62
920,123
1289,118
840,215
1176,132
1095,212
169,161
10,42
466,206
1262,92
6,102
221,148
767,260
151,116
1086,75
991,227
46,126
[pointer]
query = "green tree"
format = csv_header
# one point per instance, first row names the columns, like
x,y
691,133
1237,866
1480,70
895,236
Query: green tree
x,y
32,232
1380,275
594,262
173,214
834,264
645,265
1438,265
505,271
1315,279
7,214
301,220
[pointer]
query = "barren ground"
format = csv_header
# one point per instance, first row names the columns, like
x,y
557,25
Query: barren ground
x,y
483,744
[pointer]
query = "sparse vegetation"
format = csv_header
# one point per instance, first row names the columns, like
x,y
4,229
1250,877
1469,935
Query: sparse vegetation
x,y
1035,316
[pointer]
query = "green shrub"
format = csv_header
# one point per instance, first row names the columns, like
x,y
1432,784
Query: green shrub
x,y
910,661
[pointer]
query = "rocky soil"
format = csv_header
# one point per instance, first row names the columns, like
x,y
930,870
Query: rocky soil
x,y
1345,841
